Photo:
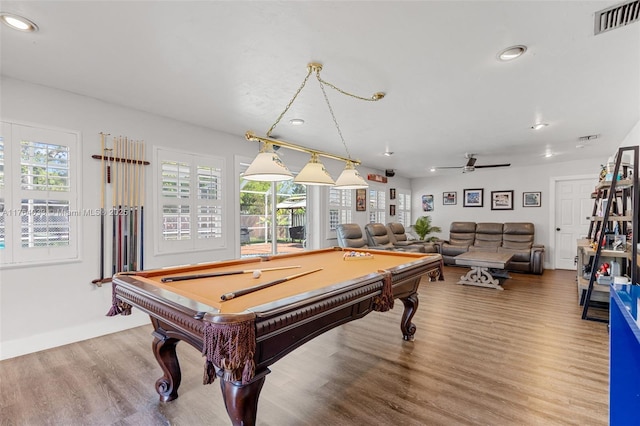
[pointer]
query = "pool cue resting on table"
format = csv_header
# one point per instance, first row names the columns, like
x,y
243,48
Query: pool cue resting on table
x,y
256,273
233,294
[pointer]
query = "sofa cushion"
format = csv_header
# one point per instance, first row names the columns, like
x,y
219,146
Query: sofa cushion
x,y
350,235
488,235
462,233
397,232
377,235
453,250
518,235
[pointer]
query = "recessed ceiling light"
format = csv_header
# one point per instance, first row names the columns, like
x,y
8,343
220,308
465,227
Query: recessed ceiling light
x,y
548,154
18,22
388,153
539,126
433,169
296,121
511,53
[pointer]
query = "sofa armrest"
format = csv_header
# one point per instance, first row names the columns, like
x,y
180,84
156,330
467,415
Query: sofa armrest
x,y
537,259
438,245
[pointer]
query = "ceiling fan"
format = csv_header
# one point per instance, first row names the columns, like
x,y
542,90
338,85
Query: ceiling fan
x,y
471,165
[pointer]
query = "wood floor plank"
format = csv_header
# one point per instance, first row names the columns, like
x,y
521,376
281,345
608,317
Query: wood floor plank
x,y
522,356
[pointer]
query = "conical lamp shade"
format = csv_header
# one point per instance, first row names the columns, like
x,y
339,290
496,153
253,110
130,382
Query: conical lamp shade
x,y
267,167
350,179
314,173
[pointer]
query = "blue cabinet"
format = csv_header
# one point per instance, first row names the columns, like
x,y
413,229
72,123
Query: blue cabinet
x,y
624,355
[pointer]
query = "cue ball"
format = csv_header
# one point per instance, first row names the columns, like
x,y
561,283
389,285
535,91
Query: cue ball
x,y
257,273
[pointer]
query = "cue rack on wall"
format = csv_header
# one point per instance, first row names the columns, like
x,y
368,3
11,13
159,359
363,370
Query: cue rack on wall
x,y
122,176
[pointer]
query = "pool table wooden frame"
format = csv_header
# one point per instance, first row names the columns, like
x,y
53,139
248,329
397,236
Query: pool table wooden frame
x,y
279,327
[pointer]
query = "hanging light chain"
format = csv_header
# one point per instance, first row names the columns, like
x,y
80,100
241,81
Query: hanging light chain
x,y
376,96
310,69
333,116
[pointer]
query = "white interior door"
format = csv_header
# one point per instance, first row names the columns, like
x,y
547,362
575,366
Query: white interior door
x,y
573,204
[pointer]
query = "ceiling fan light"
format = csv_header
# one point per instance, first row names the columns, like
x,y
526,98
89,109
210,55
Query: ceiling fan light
x,y
350,179
267,167
314,173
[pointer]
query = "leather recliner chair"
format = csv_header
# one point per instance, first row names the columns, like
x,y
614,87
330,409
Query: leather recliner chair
x,y
350,236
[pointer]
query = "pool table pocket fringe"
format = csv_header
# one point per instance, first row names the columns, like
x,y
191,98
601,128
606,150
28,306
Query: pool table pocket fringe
x,y
384,302
118,307
231,347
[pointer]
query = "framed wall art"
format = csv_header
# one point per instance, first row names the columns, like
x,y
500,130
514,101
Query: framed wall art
x,y
473,198
427,203
501,200
531,199
449,198
392,193
392,209
361,200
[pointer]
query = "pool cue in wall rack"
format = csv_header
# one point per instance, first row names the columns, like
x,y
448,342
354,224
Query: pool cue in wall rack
x,y
122,171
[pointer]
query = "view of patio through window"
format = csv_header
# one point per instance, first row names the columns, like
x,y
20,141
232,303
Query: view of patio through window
x,y
273,217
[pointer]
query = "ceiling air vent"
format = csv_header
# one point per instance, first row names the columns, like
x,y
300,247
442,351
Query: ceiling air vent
x,y
617,16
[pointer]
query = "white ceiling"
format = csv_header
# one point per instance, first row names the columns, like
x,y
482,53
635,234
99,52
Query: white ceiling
x,y
234,66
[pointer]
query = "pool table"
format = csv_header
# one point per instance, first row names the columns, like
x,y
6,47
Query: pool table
x,y
242,336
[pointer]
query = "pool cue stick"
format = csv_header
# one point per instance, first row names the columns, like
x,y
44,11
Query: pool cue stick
x,y
136,202
134,251
103,183
113,211
142,209
234,294
222,274
125,204
120,199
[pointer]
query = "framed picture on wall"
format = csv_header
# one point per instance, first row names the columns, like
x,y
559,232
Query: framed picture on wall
x,y
473,198
501,200
449,198
361,200
531,199
392,209
392,193
427,203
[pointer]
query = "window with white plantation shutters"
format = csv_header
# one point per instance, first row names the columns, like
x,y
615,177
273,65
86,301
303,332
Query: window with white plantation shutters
x,y
340,207
190,201
377,205
38,194
403,212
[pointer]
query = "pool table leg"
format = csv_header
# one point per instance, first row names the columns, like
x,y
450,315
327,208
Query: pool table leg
x,y
164,349
241,400
410,306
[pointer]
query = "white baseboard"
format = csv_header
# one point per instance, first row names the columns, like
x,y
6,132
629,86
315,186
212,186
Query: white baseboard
x,y
39,342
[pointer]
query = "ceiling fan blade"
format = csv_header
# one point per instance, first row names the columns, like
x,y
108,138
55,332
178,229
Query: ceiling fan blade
x,y
449,167
471,162
492,165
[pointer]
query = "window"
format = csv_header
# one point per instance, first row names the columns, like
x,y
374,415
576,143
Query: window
x,y
403,212
38,194
190,201
340,207
377,205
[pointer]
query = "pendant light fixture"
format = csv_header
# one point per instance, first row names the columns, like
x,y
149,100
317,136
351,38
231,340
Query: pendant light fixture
x,y
267,167
314,173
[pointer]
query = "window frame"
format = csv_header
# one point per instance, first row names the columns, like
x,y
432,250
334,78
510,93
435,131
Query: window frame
x,y
12,194
344,208
194,243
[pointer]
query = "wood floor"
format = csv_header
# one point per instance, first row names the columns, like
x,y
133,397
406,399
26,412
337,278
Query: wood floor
x,y
521,356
